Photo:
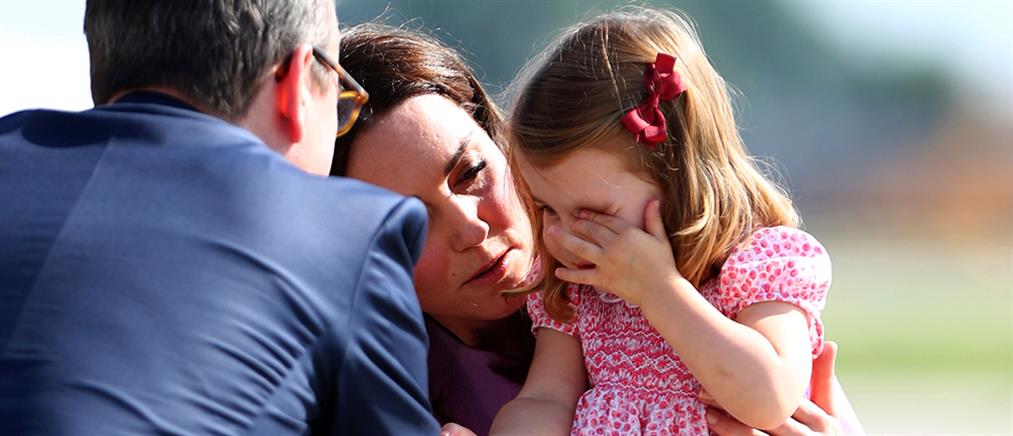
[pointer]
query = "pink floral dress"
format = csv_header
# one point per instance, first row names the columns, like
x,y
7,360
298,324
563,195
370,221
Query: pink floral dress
x,y
638,383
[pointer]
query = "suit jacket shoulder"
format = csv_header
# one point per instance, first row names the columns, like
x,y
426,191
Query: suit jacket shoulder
x,y
164,271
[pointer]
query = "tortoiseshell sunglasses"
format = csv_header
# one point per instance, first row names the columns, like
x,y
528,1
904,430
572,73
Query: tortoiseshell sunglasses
x,y
351,96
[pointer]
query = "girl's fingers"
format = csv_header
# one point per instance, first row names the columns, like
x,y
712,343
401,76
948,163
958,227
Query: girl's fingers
x,y
615,224
594,232
580,276
653,222
583,249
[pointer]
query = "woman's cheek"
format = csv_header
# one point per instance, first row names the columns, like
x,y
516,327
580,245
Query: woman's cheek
x,y
431,279
515,216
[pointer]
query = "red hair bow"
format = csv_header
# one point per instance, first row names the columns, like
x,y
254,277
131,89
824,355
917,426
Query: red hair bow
x,y
663,84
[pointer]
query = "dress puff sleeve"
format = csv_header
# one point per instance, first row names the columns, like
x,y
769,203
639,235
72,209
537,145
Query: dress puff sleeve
x,y
540,318
777,264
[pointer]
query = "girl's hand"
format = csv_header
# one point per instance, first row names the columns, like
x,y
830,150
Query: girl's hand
x,y
628,261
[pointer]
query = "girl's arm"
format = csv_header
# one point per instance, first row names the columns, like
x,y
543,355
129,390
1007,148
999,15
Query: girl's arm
x,y
758,367
827,412
549,397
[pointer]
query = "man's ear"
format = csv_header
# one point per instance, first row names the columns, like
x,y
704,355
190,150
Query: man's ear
x,y
293,91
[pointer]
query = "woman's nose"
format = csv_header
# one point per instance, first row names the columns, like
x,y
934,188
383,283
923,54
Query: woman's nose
x,y
468,228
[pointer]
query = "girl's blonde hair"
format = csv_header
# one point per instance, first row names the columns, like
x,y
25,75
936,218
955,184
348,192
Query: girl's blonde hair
x,y
575,95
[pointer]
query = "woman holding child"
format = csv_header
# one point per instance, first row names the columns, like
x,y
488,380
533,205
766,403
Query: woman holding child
x,y
431,131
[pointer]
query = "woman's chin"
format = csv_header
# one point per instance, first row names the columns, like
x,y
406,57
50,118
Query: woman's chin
x,y
500,307
514,302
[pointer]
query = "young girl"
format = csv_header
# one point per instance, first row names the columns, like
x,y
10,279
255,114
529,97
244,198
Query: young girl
x,y
678,268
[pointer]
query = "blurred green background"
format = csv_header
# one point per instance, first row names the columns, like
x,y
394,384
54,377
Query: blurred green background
x,y
891,124
890,120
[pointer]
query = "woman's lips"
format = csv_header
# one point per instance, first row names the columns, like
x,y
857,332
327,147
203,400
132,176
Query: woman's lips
x,y
492,273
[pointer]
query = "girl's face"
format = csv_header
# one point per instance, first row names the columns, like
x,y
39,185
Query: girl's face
x,y
479,241
595,178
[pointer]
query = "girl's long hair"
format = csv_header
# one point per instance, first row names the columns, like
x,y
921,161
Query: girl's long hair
x,y
575,94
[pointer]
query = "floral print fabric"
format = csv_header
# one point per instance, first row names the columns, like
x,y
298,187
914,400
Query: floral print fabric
x,y
638,383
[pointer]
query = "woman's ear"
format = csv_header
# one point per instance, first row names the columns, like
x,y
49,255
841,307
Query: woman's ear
x,y
293,92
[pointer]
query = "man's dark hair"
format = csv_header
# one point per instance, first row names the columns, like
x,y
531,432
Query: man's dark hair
x,y
213,52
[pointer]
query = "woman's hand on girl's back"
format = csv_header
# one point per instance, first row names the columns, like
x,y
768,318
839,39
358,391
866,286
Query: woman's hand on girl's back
x,y
809,419
628,261
821,415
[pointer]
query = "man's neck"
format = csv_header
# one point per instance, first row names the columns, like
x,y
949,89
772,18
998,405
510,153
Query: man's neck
x,y
166,91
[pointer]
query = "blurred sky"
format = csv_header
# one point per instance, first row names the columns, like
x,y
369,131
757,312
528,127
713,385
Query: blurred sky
x,y
46,57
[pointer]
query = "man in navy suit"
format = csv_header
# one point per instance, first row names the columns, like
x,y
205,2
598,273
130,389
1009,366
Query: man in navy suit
x,y
173,261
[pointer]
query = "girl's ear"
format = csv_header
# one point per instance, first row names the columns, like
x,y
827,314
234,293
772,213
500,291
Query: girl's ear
x,y
293,92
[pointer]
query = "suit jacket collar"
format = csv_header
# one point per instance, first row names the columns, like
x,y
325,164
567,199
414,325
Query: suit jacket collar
x,y
155,98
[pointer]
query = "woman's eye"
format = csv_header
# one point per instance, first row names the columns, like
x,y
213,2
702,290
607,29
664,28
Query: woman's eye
x,y
469,175
547,211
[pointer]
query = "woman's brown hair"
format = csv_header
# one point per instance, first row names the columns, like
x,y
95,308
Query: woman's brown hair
x,y
575,95
394,64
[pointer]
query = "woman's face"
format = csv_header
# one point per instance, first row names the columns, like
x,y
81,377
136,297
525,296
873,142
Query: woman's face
x,y
479,241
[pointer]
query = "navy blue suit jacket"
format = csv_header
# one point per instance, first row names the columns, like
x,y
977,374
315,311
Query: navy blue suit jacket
x,y
163,271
